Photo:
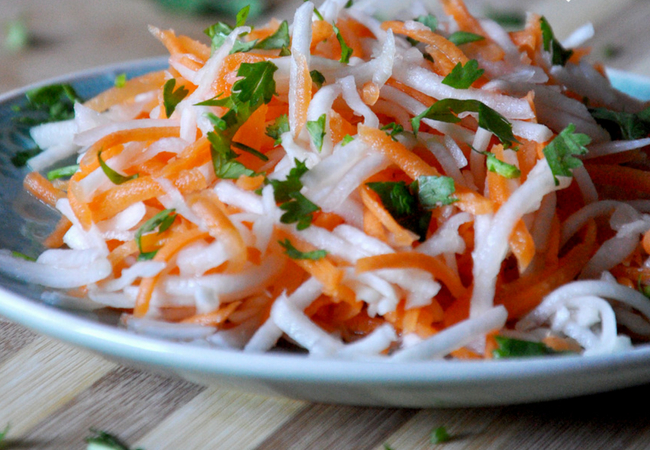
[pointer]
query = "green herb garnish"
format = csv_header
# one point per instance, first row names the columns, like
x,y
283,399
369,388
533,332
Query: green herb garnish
x,y
446,110
51,103
316,129
20,158
317,78
293,253
115,177
101,440
559,55
464,37
278,40
516,348
346,140
462,77
560,152
402,202
120,80
434,191
62,172
163,220
171,97
299,209
623,125
278,128
429,20
346,51
439,435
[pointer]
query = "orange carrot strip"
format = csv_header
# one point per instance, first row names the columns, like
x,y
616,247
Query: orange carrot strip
x,y
55,239
445,54
414,260
194,155
646,242
41,188
370,199
209,208
165,253
303,83
215,318
131,88
414,167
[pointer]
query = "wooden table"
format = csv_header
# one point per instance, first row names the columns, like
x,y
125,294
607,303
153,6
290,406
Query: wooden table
x,y
51,393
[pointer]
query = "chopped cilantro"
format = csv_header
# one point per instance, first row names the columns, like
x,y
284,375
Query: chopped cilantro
x,y
62,172
317,78
623,125
285,51
16,254
464,37
439,435
224,159
257,84
293,253
435,191
242,15
346,140
115,177
501,168
316,129
510,19
220,31
446,110
387,447
20,158
278,40
462,77
392,130
163,220
317,13
346,51
299,209
402,203
559,55
51,103
101,440
171,97
278,128
349,4
250,150
120,80
429,20
559,152
516,348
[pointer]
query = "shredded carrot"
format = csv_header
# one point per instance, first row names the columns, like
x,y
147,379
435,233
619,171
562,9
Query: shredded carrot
x,y
41,188
214,318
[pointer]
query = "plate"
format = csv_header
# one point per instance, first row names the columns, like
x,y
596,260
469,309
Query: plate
x,y
415,384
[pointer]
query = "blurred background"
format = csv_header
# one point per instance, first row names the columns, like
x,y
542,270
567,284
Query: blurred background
x,y
44,38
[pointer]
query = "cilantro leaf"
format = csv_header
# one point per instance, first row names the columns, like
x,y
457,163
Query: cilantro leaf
x,y
559,152
349,4
300,210
278,128
435,191
285,51
257,84
293,253
250,150
462,77
516,348
115,177
218,34
101,440
346,140
511,19
559,55
464,37
51,103
282,189
429,20
224,159
501,168
242,15
20,158
16,254
446,110
278,40
163,220
171,97
394,129
317,78
623,125
346,51
62,172
403,205
316,129
120,80
439,435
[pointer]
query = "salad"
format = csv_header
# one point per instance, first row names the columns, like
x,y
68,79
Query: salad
x,y
427,187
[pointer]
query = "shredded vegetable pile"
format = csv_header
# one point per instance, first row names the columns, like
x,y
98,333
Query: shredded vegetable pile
x,y
428,187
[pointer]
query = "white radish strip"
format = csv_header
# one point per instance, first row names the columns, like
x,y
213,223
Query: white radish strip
x,y
603,289
301,329
301,36
140,269
577,220
446,238
351,97
52,276
77,237
198,258
269,333
240,198
91,136
368,245
579,36
52,134
51,156
373,344
454,337
530,131
586,185
610,148
443,155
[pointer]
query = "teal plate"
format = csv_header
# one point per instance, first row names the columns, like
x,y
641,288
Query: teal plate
x,y
25,223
